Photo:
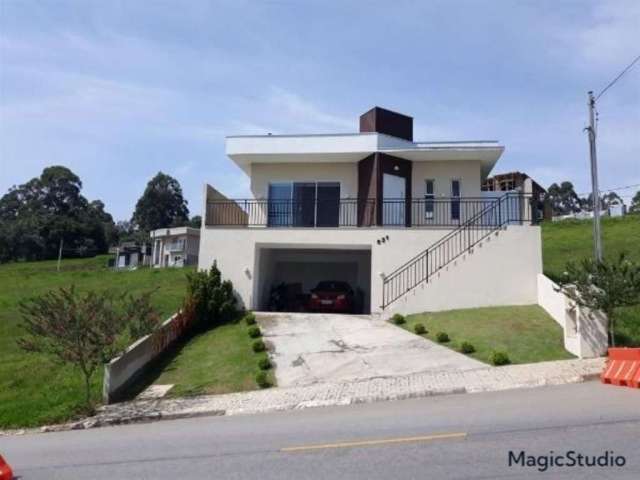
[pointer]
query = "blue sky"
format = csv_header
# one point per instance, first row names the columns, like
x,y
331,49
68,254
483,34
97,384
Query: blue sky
x,y
119,90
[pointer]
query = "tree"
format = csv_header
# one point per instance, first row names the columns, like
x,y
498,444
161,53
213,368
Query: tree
x,y
635,203
603,286
563,198
85,331
36,216
611,198
161,205
606,201
195,221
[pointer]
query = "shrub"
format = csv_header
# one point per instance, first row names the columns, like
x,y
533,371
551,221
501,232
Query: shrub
x,y
214,300
262,380
467,348
500,358
143,318
84,330
398,319
258,346
250,319
419,329
442,337
264,364
254,332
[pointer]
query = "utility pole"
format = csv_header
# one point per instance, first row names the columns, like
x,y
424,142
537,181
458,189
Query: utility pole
x,y
597,238
60,254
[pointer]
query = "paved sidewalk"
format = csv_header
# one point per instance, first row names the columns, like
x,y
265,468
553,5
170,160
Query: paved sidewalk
x,y
372,390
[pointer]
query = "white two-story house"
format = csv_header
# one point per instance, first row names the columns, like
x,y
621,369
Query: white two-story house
x,y
174,247
404,222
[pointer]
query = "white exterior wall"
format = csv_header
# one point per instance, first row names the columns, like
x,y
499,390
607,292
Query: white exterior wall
x,y
264,173
501,271
468,172
585,332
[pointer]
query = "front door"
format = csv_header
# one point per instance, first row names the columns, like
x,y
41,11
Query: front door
x,y
393,199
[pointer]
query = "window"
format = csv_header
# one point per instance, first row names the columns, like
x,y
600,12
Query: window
x,y
304,204
455,199
429,199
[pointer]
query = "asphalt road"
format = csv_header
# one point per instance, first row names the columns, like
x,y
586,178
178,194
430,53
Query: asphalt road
x,y
457,436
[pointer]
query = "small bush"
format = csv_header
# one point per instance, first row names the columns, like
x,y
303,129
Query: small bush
x,y
264,364
467,348
254,332
398,319
214,300
258,346
262,380
419,329
250,319
442,337
500,358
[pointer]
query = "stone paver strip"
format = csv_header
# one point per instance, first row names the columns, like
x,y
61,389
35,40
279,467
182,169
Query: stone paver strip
x,y
371,390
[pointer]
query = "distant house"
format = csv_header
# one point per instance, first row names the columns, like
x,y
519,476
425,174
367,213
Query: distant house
x,y
130,255
519,182
175,247
617,209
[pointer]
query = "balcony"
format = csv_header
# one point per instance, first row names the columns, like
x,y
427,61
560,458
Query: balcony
x,y
353,213
176,246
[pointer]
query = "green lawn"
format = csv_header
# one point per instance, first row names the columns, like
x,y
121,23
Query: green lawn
x,y
526,333
572,240
218,361
33,389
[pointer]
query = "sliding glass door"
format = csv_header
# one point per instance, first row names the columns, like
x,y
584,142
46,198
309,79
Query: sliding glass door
x,y
280,212
304,204
304,208
328,205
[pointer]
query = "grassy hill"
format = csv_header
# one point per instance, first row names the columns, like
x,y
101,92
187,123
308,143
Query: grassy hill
x,y
33,389
572,240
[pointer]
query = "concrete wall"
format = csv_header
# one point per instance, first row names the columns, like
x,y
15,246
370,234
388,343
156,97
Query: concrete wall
x,y
264,173
585,331
122,371
468,172
502,271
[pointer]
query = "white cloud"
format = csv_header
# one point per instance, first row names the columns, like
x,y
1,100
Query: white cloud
x,y
609,38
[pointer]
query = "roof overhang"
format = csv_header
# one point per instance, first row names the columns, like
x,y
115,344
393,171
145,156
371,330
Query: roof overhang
x,y
349,148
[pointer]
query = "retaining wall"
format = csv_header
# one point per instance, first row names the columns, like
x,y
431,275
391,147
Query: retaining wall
x,y
122,371
585,331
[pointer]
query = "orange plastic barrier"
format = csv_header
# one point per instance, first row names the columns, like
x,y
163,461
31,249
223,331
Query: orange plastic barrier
x,y
5,470
635,381
623,367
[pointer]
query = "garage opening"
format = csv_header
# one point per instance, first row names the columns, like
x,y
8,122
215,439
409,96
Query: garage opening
x,y
313,280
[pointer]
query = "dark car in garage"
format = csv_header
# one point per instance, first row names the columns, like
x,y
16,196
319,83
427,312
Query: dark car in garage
x,y
332,296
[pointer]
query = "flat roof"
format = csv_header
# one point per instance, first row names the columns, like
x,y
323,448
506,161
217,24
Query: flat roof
x,y
245,150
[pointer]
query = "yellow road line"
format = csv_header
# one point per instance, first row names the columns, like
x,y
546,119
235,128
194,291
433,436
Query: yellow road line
x,y
367,443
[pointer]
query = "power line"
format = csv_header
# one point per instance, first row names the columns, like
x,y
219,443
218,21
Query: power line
x,y
613,189
629,67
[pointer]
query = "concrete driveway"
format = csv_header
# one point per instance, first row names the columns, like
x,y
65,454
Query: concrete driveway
x,y
327,348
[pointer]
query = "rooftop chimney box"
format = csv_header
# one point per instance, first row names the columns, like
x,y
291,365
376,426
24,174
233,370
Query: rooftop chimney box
x,y
385,121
